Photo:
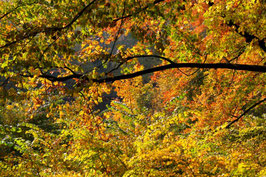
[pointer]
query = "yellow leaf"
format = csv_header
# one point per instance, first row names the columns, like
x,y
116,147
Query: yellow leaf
x,y
61,114
9,107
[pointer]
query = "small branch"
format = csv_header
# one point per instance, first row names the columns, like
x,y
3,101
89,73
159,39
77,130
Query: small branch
x,y
6,14
12,10
118,66
79,14
241,51
141,56
115,40
49,29
149,56
104,168
245,112
73,72
118,31
33,34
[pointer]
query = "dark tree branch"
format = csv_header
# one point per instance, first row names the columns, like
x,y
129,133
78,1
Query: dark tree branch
x,y
255,68
118,32
59,79
186,65
6,14
194,71
248,37
50,29
140,56
245,112
115,68
79,14
73,72
149,56
13,10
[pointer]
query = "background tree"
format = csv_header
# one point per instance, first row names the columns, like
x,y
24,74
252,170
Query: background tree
x,y
184,97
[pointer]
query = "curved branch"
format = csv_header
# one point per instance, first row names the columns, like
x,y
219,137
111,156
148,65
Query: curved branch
x,y
245,112
254,68
50,29
140,56
149,56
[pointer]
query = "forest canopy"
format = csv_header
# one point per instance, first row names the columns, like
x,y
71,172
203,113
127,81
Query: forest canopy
x,y
132,88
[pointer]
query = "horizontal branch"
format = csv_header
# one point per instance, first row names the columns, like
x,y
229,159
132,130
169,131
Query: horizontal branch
x,y
150,56
254,68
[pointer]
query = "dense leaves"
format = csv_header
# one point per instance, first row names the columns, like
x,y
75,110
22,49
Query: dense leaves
x,y
132,88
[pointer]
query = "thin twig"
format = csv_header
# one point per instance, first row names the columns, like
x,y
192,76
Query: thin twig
x,y
9,12
50,29
245,112
119,29
140,56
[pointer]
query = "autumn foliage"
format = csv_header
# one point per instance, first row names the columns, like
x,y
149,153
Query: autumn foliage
x,y
132,88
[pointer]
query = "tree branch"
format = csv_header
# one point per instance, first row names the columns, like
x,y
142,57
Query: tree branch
x,y
79,14
254,68
248,37
245,112
140,56
149,56
12,10
50,29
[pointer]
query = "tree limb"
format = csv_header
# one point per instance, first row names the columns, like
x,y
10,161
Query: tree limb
x,y
254,68
12,10
245,112
248,37
50,29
